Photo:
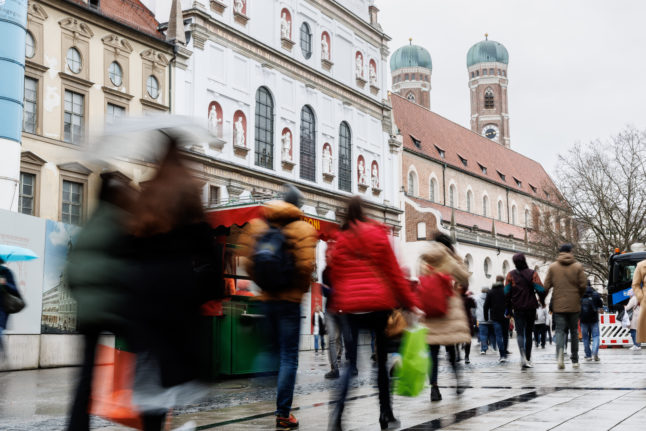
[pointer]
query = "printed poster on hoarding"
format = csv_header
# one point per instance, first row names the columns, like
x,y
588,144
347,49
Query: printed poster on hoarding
x,y
29,232
59,308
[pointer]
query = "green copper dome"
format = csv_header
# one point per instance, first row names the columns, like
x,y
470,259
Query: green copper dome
x,y
410,56
487,51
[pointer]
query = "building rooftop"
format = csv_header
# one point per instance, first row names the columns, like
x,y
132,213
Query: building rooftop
x,y
410,56
487,51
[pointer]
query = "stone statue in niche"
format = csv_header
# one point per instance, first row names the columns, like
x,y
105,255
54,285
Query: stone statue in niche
x,y
215,123
286,141
359,66
375,176
325,48
373,74
327,159
362,172
238,6
239,137
285,26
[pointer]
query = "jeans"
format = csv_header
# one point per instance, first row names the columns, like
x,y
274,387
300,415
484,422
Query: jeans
x,y
483,330
590,332
540,331
633,334
318,337
284,324
505,334
499,329
524,321
435,353
567,323
334,340
350,324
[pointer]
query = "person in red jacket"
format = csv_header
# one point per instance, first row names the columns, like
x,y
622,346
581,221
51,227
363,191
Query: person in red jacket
x,y
368,285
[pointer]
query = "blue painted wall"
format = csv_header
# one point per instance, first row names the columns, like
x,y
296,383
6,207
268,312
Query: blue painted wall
x,y
13,23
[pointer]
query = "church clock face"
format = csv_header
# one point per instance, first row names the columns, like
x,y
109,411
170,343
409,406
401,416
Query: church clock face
x,y
491,131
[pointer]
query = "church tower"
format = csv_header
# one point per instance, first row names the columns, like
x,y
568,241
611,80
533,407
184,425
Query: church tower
x,y
411,68
487,63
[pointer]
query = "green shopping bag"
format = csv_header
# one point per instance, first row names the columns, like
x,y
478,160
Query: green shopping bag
x,y
415,362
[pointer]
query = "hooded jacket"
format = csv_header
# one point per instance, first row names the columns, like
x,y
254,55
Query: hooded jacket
x,y
364,272
521,291
494,306
567,278
301,238
592,295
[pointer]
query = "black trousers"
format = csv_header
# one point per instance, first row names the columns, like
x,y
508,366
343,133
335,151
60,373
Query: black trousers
x,y
350,325
79,414
540,332
435,353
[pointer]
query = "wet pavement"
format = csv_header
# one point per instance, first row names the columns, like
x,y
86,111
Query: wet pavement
x,y
610,394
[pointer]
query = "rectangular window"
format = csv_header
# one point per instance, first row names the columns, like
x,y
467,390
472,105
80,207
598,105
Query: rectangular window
x,y
406,77
477,73
74,117
114,113
29,110
72,206
26,198
214,195
473,74
484,72
491,72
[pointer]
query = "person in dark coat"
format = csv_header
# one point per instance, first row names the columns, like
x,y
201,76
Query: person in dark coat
x,y
495,310
521,286
7,281
590,305
469,307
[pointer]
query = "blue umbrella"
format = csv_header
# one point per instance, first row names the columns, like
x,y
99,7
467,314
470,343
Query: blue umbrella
x,y
11,253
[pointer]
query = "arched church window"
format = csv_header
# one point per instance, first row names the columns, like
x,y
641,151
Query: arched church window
x,y
410,96
452,194
345,157
433,188
469,200
308,144
488,99
513,214
526,218
412,183
264,126
500,210
485,205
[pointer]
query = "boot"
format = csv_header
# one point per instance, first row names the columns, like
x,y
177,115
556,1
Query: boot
x,y
435,393
560,360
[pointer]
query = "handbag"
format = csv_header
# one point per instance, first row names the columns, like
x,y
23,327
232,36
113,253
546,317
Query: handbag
x,y
434,292
396,324
12,301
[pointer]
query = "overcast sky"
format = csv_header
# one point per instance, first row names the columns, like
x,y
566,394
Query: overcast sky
x,y
577,69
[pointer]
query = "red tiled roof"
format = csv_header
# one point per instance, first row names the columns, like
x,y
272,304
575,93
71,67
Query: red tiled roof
x,y
132,13
467,219
432,131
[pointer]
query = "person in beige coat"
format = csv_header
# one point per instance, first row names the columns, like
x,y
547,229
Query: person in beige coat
x,y
639,282
453,327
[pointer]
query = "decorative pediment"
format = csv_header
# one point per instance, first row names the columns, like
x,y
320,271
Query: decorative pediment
x,y
116,176
29,157
157,58
74,167
36,11
118,43
78,28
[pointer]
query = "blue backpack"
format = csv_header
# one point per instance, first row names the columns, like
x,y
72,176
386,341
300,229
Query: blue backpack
x,y
272,262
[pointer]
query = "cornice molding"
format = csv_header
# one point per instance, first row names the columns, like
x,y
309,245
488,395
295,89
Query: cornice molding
x,y
119,44
75,79
36,11
76,27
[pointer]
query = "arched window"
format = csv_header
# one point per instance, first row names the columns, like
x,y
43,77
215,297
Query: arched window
x,y
410,96
412,183
306,40
345,157
488,99
469,200
526,218
264,129
485,205
468,261
500,210
514,218
452,193
432,196
308,144
505,268
487,267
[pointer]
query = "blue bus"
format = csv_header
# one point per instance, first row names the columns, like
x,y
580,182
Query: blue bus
x,y
621,268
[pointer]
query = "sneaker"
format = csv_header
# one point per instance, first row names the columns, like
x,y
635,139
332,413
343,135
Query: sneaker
x,y
334,374
289,423
483,352
575,365
529,364
588,358
467,361
636,348
596,358
501,360
560,362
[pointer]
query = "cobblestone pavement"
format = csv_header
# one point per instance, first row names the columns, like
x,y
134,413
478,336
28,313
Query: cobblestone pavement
x,y
610,394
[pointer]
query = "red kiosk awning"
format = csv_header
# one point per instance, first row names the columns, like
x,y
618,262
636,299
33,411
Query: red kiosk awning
x,y
241,215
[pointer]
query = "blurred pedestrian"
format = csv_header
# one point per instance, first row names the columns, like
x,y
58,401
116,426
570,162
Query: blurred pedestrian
x,y
495,311
540,324
484,325
633,305
568,280
177,270
7,281
590,305
318,320
333,328
453,327
638,285
98,273
470,309
368,285
280,252
521,286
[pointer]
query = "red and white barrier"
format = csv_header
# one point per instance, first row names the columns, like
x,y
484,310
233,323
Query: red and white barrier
x,y
611,332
